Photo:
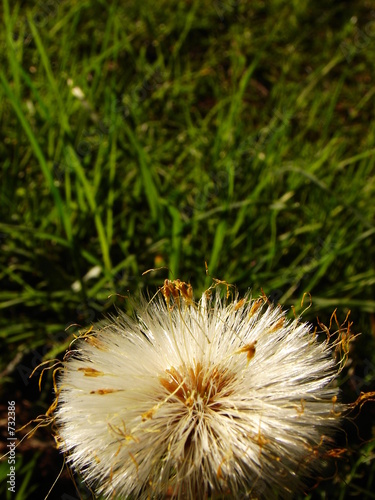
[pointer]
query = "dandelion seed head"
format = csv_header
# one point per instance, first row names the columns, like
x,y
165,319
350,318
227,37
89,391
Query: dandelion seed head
x,y
198,399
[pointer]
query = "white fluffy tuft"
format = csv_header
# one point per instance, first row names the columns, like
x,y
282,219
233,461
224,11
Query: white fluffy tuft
x,y
193,400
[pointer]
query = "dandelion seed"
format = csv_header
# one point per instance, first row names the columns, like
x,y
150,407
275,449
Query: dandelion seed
x,y
194,400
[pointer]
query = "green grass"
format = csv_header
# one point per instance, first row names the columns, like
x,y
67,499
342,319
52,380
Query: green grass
x,y
138,135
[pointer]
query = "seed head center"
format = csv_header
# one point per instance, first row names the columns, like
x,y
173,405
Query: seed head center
x,y
197,385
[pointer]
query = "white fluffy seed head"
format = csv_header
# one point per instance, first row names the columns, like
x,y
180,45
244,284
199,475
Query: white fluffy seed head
x,y
197,400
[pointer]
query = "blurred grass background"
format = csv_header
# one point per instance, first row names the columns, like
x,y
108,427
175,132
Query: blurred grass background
x,y
137,135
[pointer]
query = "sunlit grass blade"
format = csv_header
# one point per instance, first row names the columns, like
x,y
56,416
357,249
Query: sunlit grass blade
x,y
51,79
74,163
62,209
148,182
